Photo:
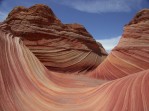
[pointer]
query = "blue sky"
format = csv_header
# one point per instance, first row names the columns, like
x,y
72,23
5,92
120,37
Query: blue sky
x,y
104,19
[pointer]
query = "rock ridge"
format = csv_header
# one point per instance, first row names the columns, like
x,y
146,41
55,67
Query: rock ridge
x,y
46,36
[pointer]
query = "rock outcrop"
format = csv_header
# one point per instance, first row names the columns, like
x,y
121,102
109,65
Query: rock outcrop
x,y
27,85
131,55
61,47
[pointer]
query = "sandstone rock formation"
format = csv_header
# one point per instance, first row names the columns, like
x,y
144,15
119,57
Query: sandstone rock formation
x,y
61,47
27,85
131,55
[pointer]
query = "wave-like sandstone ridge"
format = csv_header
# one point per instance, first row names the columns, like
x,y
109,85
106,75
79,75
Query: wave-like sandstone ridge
x,y
131,55
60,47
29,83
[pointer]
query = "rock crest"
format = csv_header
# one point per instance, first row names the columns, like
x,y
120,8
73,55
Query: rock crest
x,y
58,46
131,55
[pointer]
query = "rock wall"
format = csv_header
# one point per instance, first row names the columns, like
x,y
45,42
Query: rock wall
x,y
131,55
27,85
60,47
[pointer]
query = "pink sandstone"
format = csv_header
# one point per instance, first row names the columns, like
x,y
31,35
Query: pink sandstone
x,y
60,47
131,55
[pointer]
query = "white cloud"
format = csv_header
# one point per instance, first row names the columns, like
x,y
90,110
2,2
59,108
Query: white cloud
x,y
110,43
3,16
98,6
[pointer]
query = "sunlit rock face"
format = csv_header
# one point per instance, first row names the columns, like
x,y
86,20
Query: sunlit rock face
x,y
26,85
131,55
121,82
61,47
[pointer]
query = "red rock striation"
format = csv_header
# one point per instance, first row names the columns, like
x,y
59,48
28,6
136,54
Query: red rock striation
x,y
26,85
131,55
61,47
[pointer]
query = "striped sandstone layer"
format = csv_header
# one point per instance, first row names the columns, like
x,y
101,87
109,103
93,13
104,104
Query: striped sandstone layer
x,y
131,55
26,85
60,47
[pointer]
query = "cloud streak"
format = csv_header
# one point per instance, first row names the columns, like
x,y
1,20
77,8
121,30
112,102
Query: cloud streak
x,y
110,43
3,16
100,6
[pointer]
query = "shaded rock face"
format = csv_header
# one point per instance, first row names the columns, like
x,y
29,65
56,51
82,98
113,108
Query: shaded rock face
x,y
62,47
131,55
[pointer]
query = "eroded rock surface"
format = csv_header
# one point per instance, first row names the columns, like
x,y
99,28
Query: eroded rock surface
x,y
131,55
27,85
61,47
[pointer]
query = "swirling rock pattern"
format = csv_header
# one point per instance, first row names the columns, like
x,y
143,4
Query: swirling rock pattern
x,y
131,55
27,85
60,47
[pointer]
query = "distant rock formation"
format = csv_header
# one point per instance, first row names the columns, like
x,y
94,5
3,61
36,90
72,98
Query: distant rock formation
x,y
131,55
60,47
